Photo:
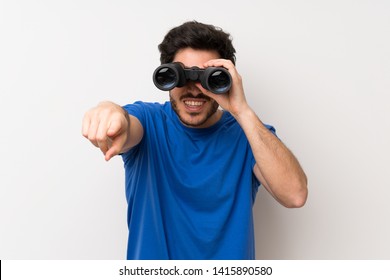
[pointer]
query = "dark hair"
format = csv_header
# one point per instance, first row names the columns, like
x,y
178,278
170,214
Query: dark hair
x,y
198,36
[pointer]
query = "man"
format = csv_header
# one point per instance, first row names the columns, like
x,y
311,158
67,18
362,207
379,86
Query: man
x,y
193,169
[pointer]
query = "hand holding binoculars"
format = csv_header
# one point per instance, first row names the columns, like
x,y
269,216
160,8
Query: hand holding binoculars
x,y
170,75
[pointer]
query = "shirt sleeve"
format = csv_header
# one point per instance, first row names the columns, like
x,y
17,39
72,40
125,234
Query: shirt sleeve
x,y
137,110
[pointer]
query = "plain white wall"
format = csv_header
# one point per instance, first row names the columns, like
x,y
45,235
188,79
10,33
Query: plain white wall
x,y
319,71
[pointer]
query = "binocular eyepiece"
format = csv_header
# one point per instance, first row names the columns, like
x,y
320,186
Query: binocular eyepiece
x,y
170,75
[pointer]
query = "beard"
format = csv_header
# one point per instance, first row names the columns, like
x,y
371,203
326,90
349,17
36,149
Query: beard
x,y
201,121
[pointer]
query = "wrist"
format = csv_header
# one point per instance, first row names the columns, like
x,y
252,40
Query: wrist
x,y
244,113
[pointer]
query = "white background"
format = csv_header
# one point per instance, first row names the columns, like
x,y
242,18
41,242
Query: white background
x,y
319,71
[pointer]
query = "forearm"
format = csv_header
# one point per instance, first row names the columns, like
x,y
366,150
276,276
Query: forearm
x,y
276,167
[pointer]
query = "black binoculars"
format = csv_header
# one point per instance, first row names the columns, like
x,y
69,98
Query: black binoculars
x,y
170,75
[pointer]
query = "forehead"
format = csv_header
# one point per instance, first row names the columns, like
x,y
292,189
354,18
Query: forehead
x,y
191,57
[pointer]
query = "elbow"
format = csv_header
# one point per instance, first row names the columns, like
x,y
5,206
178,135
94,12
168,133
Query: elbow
x,y
299,197
298,201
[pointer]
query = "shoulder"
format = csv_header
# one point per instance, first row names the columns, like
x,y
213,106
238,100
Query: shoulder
x,y
146,106
142,110
229,120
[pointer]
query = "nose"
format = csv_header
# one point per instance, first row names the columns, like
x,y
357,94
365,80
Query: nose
x,y
194,87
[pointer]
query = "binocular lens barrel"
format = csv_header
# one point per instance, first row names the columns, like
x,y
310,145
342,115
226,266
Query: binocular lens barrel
x,y
218,81
165,78
171,75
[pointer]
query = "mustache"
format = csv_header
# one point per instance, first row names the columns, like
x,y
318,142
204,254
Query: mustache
x,y
198,96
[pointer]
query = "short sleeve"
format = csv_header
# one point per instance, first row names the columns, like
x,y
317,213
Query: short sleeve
x,y
137,110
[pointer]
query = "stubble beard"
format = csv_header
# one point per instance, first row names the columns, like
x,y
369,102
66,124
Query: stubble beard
x,y
202,121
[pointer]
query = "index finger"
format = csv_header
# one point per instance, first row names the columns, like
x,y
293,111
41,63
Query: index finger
x,y
228,64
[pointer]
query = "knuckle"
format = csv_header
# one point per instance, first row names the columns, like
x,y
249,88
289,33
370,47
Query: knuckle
x,y
101,138
91,137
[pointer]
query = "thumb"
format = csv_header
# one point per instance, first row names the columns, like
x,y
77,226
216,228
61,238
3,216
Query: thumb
x,y
117,139
114,129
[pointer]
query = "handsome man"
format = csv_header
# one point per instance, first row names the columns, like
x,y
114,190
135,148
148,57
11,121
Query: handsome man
x,y
192,169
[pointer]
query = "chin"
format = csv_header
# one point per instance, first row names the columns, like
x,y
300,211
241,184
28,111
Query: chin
x,y
200,119
193,121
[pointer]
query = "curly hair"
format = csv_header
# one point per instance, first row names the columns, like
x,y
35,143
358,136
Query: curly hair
x,y
198,36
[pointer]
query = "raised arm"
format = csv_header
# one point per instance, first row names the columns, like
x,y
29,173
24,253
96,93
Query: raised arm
x,y
276,167
110,128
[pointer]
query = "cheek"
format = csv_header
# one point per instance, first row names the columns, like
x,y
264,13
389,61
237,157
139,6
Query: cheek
x,y
174,97
176,93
